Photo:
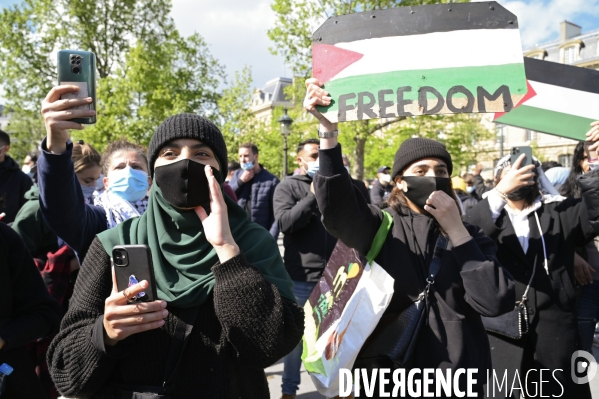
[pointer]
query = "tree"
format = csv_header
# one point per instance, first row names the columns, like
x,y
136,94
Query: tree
x,y
160,78
130,38
291,35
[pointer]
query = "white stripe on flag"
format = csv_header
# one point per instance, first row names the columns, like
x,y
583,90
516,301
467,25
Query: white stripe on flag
x,y
565,100
454,49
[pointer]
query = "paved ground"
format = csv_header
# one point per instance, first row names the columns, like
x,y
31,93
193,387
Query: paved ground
x,y
308,391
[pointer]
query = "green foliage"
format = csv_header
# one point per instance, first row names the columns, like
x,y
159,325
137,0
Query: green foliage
x,y
146,70
159,78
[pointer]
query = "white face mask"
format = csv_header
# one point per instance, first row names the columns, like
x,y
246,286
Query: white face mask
x,y
470,189
26,169
386,178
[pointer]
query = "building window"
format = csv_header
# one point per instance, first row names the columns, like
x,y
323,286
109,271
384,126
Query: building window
x,y
565,160
531,135
570,55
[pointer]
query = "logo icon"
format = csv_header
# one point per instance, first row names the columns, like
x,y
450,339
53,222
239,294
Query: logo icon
x,y
583,367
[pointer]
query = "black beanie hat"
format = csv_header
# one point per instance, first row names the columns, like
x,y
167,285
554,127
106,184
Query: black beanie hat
x,y
417,148
189,126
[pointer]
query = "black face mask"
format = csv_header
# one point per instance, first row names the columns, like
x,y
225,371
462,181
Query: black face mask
x,y
421,187
184,183
521,193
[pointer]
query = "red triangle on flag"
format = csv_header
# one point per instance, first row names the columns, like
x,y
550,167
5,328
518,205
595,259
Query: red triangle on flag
x,y
530,93
328,61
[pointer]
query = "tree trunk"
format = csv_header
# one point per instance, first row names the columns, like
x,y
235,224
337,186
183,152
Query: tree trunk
x,y
359,157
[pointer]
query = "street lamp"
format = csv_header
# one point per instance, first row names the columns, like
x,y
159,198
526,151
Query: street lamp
x,y
285,122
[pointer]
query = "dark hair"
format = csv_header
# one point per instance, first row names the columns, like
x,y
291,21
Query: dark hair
x,y
251,146
33,155
117,146
570,188
549,164
232,166
4,138
84,156
398,202
301,145
468,178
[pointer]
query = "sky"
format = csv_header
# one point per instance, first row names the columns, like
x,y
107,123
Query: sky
x,y
236,29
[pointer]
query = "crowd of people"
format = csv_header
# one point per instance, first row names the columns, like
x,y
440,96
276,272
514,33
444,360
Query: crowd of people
x,y
228,305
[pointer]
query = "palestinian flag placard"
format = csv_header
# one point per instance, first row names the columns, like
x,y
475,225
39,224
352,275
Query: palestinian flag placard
x,y
433,59
561,100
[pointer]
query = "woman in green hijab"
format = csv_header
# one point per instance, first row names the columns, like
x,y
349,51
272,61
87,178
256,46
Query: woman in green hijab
x,y
225,307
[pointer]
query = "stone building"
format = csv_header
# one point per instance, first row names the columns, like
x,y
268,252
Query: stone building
x,y
265,100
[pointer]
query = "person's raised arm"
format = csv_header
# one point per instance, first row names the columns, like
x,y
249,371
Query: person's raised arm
x,y
61,198
345,213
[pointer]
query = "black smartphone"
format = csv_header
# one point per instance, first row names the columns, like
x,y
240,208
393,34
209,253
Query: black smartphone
x,y
78,68
132,264
517,151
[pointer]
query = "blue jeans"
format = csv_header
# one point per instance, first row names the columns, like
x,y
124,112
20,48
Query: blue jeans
x,y
588,314
293,361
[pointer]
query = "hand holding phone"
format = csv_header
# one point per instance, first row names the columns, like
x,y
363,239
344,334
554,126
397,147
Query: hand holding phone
x,y
517,176
124,314
58,117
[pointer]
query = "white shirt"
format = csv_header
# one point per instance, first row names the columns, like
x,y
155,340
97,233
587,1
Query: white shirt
x,y
519,218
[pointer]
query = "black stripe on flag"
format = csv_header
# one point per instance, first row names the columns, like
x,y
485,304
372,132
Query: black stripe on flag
x,y
417,20
568,76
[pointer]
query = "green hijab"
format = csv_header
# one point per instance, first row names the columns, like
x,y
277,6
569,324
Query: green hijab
x,y
183,258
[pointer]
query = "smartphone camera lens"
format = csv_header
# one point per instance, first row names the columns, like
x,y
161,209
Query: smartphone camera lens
x,y
120,257
76,69
78,62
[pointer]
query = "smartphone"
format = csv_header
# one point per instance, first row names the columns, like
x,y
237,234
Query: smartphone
x,y
517,151
78,68
132,264
592,156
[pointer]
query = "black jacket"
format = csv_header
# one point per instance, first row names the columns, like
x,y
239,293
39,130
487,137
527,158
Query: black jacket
x,y
468,201
243,327
379,193
27,312
308,245
551,298
13,186
470,283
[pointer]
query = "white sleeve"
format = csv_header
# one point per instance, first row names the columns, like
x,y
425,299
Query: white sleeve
x,y
496,204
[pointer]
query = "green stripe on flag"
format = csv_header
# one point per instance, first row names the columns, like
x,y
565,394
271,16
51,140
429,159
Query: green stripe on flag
x,y
542,120
490,77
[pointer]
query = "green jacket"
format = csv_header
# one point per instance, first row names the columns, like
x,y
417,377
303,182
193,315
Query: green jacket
x,y
32,227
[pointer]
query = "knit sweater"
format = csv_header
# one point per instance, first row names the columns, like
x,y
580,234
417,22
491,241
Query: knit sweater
x,y
244,327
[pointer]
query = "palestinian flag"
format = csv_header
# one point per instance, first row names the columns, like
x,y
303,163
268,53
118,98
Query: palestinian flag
x,y
433,59
561,100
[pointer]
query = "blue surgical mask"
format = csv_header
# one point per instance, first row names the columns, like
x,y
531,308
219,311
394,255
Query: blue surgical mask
x,y
247,166
88,191
312,168
100,183
129,184
470,189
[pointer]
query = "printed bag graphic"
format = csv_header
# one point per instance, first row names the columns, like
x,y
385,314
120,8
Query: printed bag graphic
x,y
343,310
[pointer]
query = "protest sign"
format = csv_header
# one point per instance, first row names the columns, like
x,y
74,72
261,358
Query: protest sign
x,y
562,100
433,59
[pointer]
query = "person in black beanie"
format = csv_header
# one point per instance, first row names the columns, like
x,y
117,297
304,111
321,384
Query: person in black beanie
x,y
219,278
470,281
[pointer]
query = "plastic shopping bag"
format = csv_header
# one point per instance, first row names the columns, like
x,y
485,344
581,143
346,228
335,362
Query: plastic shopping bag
x,y
343,310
